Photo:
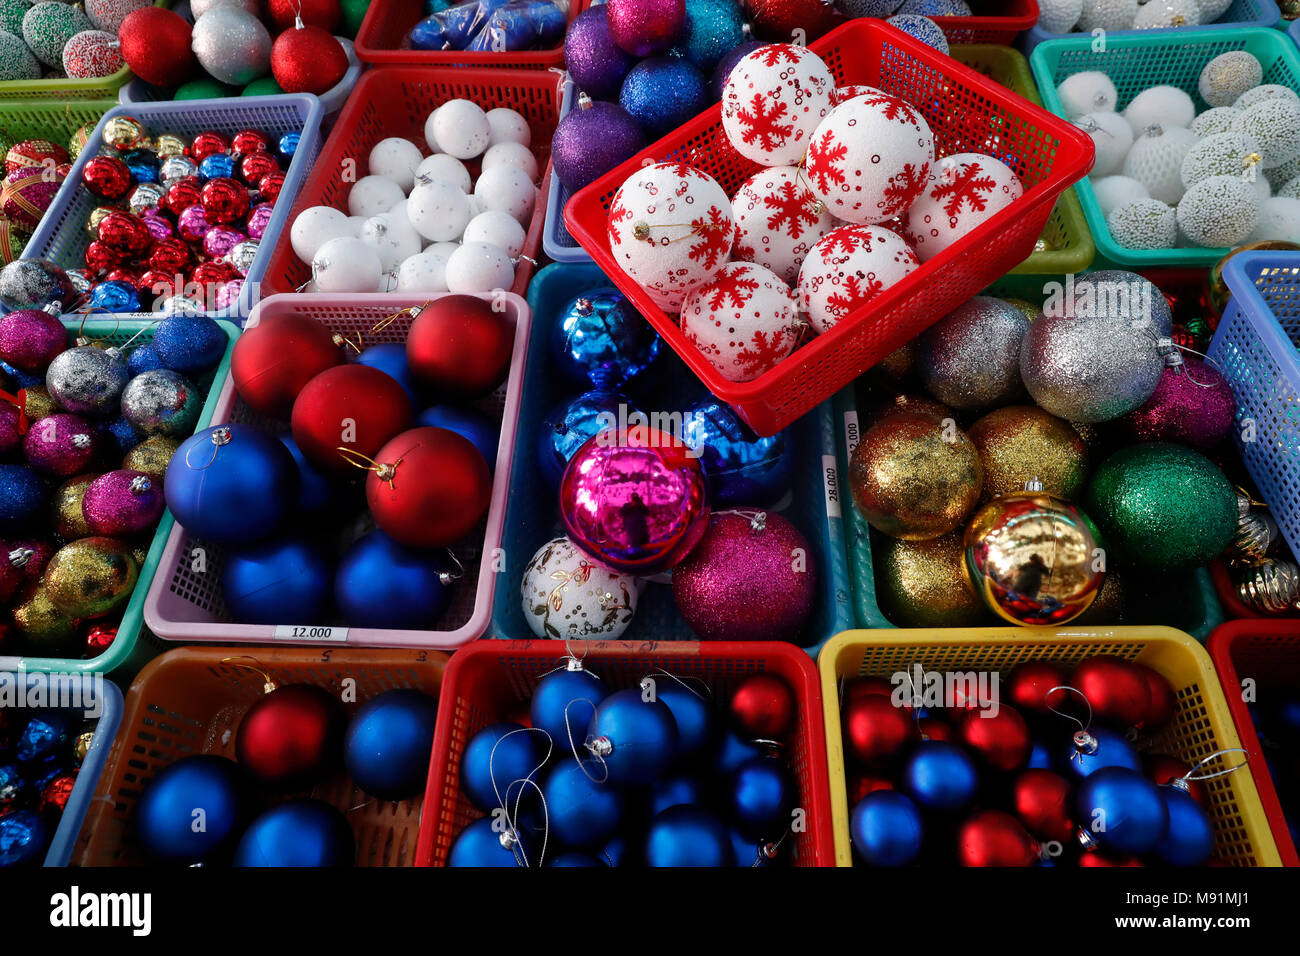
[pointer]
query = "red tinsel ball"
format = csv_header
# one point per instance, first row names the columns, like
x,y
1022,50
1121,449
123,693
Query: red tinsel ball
x,y
182,194
225,201
170,256
273,360
124,233
309,60
325,14
792,21
269,186
258,165
125,273
994,838
461,346
249,141
208,144
100,258
156,46
291,737
763,707
107,177
350,406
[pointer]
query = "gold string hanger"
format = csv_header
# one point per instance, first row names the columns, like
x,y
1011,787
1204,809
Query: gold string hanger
x,y
268,684
358,346
384,471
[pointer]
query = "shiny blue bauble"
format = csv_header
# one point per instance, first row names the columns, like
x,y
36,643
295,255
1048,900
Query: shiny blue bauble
x,y
1189,838
575,859
115,295
24,838
389,744
13,786
1122,810
143,164
571,424
672,791
316,492
168,824
217,166
24,499
692,713
551,701
640,737
475,427
277,582
381,583
601,341
1112,751
460,24
688,836
390,358
517,27
761,796
713,27
190,344
480,845
740,467
940,776
581,811
495,757
44,737
233,494
734,752
886,829
143,359
302,832
287,145
427,34
663,92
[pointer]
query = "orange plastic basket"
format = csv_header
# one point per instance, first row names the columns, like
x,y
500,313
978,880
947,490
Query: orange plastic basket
x,y
968,113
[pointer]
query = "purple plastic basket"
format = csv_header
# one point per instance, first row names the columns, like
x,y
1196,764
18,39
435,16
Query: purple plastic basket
x,y
187,605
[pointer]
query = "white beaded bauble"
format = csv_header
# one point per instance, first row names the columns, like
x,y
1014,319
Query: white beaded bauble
x,y
778,220
497,228
396,158
1275,125
848,267
479,267
1279,218
962,191
1211,10
1112,138
1156,161
1114,191
444,166
1088,92
1290,189
461,128
438,210
508,126
773,100
1266,91
1144,224
315,226
346,264
743,320
511,154
1219,211
567,594
1223,154
1279,176
507,189
1229,75
1163,105
1059,16
1216,120
423,272
1107,15
1166,14
371,195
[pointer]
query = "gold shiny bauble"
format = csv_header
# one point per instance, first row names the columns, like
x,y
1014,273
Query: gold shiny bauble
x,y
46,629
914,477
95,218
1034,558
38,403
125,133
68,519
1219,291
91,577
921,583
1108,608
151,456
169,145
1022,442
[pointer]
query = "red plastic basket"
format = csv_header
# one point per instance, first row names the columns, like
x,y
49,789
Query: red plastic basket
x,y
488,681
395,101
1268,652
1012,17
968,113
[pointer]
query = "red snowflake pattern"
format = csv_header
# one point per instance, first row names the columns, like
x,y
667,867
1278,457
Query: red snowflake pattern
x,y
764,351
731,287
716,236
764,124
617,213
964,186
892,108
847,239
856,290
776,53
823,155
793,206
902,189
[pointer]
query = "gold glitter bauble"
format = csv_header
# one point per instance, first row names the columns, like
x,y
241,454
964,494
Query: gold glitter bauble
x,y
45,628
914,477
1089,432
68,519
38,403
124,133
1108,608
140,552
1219,291
921,583
91,577
151,456
95,218
880,407
1028,309
899,363
169,145
1022,442
79,139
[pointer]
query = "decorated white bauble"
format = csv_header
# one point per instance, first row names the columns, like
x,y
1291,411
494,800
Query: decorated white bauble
x,y
1166,14
461,128
388,281
773,100
315,226
479,267
444,166
1156,161
842,94
107,15
777,220
1211,10
371,195
743,320
1275,126
392,236
1112,138
1089,370
963,191
497,228
1229,75
1219,211
1266,91
424,272
346,264
848,267
1279,218
510,154
397,159
507,189
670,228
1059,16
1144,224
1107,15
1223,154
1216,120
869,158
438,210
1114,191
567,594
1088,92
1159,105
508,126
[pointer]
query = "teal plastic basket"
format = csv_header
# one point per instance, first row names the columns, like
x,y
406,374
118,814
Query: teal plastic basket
x,y
1136,61
532,517
1242,13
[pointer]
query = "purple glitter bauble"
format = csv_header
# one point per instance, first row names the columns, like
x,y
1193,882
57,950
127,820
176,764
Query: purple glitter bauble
x,y
595,62
728,63
258,219
61,444
749,579
646,27
31,338
589,143
1192,405
220,240
122,503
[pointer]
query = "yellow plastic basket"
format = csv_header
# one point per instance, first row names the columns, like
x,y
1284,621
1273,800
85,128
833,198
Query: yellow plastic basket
x,y
1202,725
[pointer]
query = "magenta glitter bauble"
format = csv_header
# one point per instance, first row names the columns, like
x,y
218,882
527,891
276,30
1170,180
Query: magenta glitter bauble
x,y
122,503
634,499
751,578
1192,405
30,339
645,27
61,444
12,425
27,194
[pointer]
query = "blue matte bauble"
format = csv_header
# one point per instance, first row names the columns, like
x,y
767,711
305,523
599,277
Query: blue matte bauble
x,y
1189,838
475,427
722,71
740,467
479,844
602,341
692,713
620,851
1122,810
115,295
189,344
44,738
232,494
381,583
552,697
674,790
762,795
734,752
920,28
570,425
662,93
1288,715
301,832
940,776
390,358
642,737
390,742
24,837
886,829
501,752
315,490
277,582
575,859
1112,751
24,499
688,836
144,359
217,166
713,27
1039,757
748,851
581,811
167,818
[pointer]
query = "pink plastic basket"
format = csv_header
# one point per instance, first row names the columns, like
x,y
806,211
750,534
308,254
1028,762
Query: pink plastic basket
x,y
185,605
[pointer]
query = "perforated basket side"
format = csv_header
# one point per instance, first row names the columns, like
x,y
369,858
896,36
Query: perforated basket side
x,y
991,22
1242,13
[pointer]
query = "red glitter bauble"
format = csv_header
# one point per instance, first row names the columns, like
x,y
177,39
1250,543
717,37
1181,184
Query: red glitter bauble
x,y
156,46
182,194
249,141
1029,682
107,177
876,731
170,256
1000,737
256,166
270,185
994,838
355,407
1192,405
1043,801
461,346
307,60
762,708
325,14
291,737
792,21
1116,691
207,144
225,201
274,360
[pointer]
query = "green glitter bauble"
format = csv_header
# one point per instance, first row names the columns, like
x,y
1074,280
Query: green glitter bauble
x,y
12,13
16,61
1163,505
48,26
204,88
354,11
266,86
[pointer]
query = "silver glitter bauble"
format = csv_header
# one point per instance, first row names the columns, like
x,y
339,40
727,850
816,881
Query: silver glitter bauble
x,y
971,357
176,167
243,254
232,44
161,402
146,196
88,380
1113,294
199,7
34,284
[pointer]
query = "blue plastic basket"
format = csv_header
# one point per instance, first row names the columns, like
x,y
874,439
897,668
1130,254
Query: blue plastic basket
x,y
557,242
1293,31
1255,347
532,518
1242,13
62,236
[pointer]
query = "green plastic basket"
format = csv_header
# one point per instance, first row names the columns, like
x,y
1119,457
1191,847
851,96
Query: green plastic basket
x,y
1136,62
134,645
1065,245
862,571
48,118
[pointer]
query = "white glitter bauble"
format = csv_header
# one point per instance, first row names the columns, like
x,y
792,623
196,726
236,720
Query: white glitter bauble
x,y
397,159
461,128
108,15
1219,211
743,320
507,189
869,159
479,267
1279,218
392,236
1107,15
1211,10
971,357
1159,105
1275,125
1144,224
497,228
443,166
773,100
1229,75
1266,91
1088,92
1114,191
315,226
371,195
1216,120
1059,16
1223,154
567,594
961,192
777,220
508,126
438,210
1112,138
848,267
1156,161
423,272
511,154
1166,14
346,264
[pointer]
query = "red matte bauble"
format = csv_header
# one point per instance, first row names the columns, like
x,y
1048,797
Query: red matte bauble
x,y
1163,702
270,185
156,46
348,406
867,687
994,838
307,60
315,13
438,489
185,192
255,166
1028,683
100,258
861,784
1161,769
792,21
876,731
225,201
170,256
208,143
762,708
1116,690
932,728
1043,802
107,177
291,737
274,360
460,345
249,141
1001,737
1102,859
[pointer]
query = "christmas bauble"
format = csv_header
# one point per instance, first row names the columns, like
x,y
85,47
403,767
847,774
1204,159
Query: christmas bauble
x,y
662,93
631,740
1000,739
761,795
595,62
278,580
92,54
740,468
273,360
773,100
109,14
61,444
156,44
49,26
962,191
90,577
479,267
778,220
590,142
847,268
1227,76
496,760
480,844
350,407
34,284
1159,106
971,357
1019,443
460,345
762,707
122,504
325,14
1219,210
428,488
939,775
1192,405
792,21
1112,138
162,402
566,594
383,584
1028,685
307,59
1041,800
743,320
994,838
31,339
886,829
389,743
1121,810
301,832
1107,15
922,583
1189,838
1095,749
1144,224
687,836
563,703
876,731
602,340
1273,124
1156,160
27,194
1116,690
691,711
290,738
23,499
572,423
645,27
201,786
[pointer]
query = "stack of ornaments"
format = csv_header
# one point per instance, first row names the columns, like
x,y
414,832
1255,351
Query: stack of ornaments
x,y
51,40
1263,570
1166,176
852,199
490,26
1087,16
34,170
454,220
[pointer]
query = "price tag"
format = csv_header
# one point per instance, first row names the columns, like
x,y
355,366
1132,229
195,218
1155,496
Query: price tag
x,y
831,477
311,632
851,431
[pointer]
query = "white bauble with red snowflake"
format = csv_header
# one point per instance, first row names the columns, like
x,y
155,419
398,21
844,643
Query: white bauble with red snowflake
x,y
670,229
963,190
773,100
845,93
743,320
869,158
850,266
777,220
